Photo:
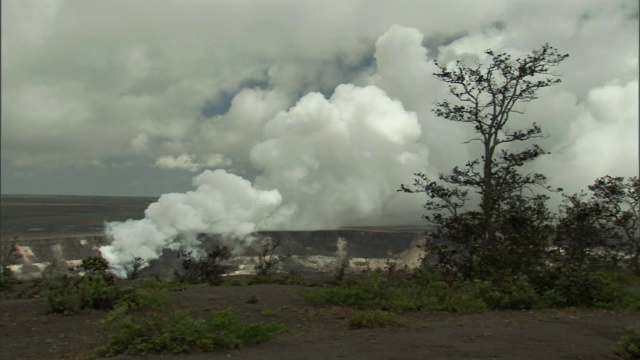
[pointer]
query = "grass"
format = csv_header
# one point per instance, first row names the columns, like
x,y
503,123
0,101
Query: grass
x,y
374,319
630,344
269,312
179,332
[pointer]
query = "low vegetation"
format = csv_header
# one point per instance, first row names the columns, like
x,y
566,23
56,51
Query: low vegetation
x,y
178,332
630,344
374,319
428,290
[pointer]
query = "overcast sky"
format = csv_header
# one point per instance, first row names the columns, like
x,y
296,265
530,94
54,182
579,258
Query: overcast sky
x,y
322,100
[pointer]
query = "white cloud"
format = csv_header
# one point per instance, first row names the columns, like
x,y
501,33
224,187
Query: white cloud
x,y
122,82
187,162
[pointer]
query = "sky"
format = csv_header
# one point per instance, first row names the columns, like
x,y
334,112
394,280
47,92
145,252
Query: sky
x,y
304,113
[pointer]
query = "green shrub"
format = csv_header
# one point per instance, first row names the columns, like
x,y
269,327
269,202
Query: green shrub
x,y
290,278
428,291
437,296
466,298
87,292
161,285
630,344
371,291
552,299
90,286
375,291
589,288
269,312
94,266
630,300
136,298
234,282
374,319
178,332
353,297
73,294
515,293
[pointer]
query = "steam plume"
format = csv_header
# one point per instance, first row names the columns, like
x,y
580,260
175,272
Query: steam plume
x,y
326,163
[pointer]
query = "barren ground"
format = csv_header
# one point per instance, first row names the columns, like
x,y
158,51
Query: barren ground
x,y
29,332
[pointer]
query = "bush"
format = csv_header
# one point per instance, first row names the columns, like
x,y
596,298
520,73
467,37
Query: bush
x,y
374,319
90,286
161,285
74,294
178,332
368,292
515,294
290,278
203,269
630,344
140,298
94,266
465,298
375,291
585,287
96,290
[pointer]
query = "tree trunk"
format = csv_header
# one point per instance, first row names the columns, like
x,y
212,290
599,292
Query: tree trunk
x,y
488,198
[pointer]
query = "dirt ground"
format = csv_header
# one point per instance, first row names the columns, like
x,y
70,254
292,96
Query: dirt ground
x,y
28,332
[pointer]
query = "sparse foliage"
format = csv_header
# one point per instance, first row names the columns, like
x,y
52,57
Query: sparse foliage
x,y
511,221
268,257
203,269
133,268
630,344
374,319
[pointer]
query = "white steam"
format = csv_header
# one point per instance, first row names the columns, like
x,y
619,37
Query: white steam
x,y
329,162
222,203
340,160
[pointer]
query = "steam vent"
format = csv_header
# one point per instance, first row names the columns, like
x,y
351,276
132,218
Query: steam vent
x,y
52,233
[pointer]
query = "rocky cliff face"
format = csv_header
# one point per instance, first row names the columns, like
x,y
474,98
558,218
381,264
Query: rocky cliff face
x,y
54,254
308,251
54,232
